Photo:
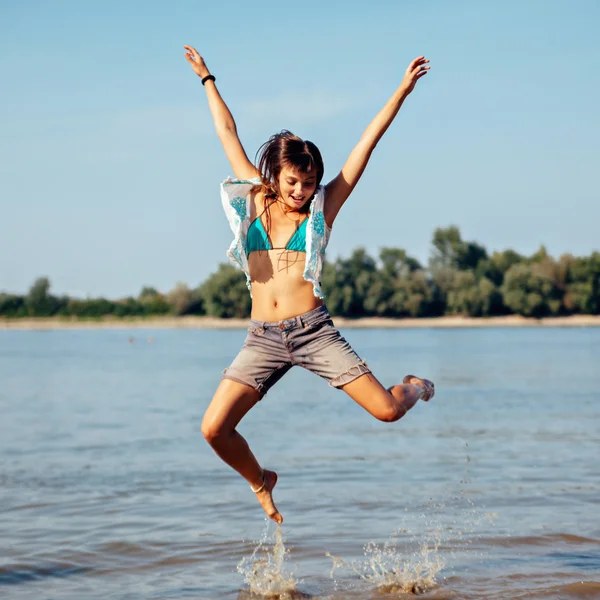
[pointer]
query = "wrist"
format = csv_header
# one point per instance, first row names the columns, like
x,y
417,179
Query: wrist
x,y
403,91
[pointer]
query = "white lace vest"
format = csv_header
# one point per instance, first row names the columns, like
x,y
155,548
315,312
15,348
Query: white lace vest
x,y
235,196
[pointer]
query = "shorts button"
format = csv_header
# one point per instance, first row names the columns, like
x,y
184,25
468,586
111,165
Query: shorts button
x,y
281,325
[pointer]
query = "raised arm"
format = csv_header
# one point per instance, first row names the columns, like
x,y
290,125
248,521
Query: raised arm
x,y
223,119
339,188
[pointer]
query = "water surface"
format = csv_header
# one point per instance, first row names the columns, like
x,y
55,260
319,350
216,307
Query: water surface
x,y
492,490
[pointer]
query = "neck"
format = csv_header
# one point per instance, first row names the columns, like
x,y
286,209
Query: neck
x,y
285,209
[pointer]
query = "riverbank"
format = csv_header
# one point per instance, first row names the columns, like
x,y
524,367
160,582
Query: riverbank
x,y
193,322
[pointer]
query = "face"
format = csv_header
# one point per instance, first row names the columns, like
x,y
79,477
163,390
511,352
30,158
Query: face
x,y
296,188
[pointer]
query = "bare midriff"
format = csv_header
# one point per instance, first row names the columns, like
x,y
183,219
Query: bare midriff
x,y
279,290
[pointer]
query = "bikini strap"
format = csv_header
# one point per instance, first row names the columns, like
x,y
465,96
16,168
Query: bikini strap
x,y
265,210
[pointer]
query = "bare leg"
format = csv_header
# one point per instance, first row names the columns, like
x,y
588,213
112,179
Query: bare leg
x,y
231,402
391,404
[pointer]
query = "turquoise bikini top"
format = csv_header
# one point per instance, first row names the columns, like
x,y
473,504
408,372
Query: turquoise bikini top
x,y
257,238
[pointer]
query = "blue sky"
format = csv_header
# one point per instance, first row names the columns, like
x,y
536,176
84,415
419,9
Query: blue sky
x,y
110,167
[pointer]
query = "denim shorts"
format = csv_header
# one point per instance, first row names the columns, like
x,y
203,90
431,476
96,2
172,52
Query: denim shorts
x,y
310,340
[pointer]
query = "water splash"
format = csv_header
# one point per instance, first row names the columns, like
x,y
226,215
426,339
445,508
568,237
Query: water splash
x,y
265,571
398,566
412,562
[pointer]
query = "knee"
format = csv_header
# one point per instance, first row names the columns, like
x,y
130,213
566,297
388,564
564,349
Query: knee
x,y
212,431
390,413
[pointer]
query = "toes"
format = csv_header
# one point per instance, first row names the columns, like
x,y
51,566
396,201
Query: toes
x,y
266,499
273,513
430,390
427,386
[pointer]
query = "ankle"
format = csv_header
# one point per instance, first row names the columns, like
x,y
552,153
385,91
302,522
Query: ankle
x,y
258,487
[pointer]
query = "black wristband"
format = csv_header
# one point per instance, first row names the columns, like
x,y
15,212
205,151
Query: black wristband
x,y
208,77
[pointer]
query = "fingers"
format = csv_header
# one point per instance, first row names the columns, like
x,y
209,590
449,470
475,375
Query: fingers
x,y
191,58
417,73
416,61
192,53
418,68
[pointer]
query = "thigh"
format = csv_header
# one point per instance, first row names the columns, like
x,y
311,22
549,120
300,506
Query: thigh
x,y
323,350
229,405
368,392
261,362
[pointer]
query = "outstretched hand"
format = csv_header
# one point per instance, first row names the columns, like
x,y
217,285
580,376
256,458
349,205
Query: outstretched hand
x,y
196,61
417,68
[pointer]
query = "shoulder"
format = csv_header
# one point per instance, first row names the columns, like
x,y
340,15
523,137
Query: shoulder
x,y
235,193
231,186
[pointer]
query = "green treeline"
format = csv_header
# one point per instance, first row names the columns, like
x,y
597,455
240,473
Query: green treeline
x,y
461,278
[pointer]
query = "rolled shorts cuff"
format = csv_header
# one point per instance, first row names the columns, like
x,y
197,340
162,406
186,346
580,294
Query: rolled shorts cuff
x,y
350,375
244,379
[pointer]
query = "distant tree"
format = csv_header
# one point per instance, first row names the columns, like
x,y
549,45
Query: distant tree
x,y
495,267
89,308
399,287
582,297
474,297
128,307
148,292
446,251
180,299
540,255
506,259
39,302
225,294
528,292
340,294
450,256
154,304
471,255
197,306
583,285
450,251
12,305
395,262
443,281
415,296
347,283
378,299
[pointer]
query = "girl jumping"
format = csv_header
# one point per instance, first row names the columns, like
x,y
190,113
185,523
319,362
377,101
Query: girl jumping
x,y
281,217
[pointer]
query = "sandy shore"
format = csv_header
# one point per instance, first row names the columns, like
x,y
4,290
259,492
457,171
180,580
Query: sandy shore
x,y
191,322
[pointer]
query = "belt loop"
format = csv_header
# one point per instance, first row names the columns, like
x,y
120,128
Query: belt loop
x,y
302,322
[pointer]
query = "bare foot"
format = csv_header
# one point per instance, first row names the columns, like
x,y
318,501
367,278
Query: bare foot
x,y
265,496
426,385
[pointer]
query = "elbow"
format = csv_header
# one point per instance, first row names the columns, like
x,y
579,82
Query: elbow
x,y
226,129
367,143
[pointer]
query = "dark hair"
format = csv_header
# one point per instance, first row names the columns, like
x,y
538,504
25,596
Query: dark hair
x,y
285,149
